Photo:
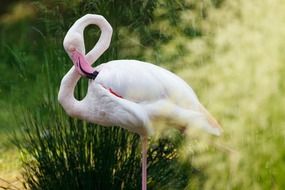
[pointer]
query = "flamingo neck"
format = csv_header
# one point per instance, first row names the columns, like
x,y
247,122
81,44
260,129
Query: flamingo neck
x,y
66,97
105,37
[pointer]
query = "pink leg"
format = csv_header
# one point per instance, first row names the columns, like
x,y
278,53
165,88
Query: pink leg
x,y
144,163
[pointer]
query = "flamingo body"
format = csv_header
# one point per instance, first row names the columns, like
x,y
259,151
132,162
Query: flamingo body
x,y
134,94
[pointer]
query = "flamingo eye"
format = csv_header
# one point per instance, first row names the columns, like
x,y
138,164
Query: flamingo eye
x,y
71,48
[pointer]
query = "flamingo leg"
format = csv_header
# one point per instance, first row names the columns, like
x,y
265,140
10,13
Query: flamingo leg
x,y
144,163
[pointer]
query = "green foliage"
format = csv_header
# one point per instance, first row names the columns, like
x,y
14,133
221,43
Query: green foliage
x,y
69,154
244,86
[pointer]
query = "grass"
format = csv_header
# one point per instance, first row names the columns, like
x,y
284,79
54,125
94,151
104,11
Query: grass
x,y
10,174
10,162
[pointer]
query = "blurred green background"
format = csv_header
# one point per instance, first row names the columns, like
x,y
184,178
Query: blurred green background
x,y
230,52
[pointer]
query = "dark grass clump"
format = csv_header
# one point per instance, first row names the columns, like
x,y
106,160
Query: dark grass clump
x,y
62,153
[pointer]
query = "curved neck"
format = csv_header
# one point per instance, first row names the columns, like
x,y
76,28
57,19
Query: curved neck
x,y
66,97
105,37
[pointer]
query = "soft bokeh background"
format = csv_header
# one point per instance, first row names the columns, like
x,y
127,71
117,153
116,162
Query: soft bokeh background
x,y
231,52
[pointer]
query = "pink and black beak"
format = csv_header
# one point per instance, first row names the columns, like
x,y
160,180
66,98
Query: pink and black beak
x,y
82,66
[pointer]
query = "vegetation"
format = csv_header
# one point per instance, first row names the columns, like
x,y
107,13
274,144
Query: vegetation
x,y
231,52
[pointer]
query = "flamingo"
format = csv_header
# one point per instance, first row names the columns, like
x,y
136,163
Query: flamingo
x,y
131,94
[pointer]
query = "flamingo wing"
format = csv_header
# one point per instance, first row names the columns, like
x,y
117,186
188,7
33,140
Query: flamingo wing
x,y
143,89
142,82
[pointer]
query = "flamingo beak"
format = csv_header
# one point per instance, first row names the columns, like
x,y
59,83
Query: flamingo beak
x,y
82,66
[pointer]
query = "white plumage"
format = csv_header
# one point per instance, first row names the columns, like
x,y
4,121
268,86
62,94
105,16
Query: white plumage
x,y
128,93
149,93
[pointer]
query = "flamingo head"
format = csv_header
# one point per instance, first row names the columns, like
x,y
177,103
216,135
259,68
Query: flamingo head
x,y
74,47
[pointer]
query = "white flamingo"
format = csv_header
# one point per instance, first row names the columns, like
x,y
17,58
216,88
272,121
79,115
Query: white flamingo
x,y
127,93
